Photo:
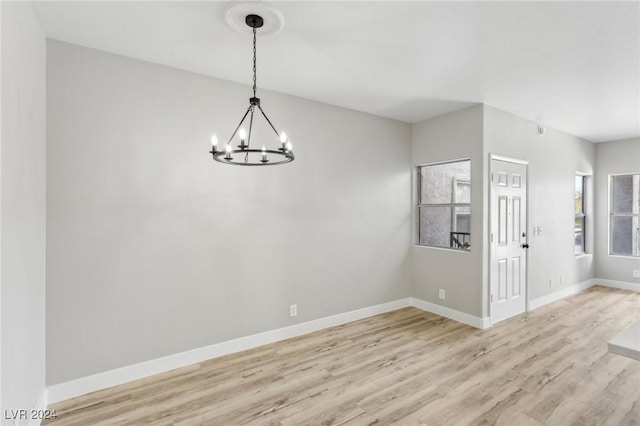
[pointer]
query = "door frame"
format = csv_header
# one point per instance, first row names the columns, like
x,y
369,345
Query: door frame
x,y
491,255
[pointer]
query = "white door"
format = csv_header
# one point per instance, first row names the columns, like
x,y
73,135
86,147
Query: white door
x,y
508,239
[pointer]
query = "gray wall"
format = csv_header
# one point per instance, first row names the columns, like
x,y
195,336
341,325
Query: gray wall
x,y
613,158
154,249
554,160
448,137
22,213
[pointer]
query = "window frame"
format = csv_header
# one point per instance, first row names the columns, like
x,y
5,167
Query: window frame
x,y
452,205
611,215
582,215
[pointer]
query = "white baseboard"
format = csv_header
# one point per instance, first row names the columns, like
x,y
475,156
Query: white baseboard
x,y
40,407
462,317
560,294
107,379
624,285
129,373
577,288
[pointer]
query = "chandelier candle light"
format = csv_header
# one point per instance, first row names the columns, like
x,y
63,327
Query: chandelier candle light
x,y
243,154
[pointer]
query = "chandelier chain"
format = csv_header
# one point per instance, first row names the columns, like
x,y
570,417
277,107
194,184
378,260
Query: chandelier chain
x,y
254,63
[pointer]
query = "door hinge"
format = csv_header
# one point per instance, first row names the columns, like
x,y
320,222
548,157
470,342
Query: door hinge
x,y
491,177
492,237
491,297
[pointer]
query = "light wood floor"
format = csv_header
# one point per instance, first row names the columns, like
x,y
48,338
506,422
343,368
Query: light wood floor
x,y
549,367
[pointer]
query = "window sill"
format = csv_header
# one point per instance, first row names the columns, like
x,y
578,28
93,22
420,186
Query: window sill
x,y
622,256
580,256
442,248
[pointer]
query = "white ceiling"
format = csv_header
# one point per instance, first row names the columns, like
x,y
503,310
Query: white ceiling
x,y
572,66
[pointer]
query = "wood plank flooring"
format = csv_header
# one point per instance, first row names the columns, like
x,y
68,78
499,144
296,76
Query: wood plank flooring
x,y
408,367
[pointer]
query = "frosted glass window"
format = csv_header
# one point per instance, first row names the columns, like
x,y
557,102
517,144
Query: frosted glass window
x,y
624,212
444,205
581,219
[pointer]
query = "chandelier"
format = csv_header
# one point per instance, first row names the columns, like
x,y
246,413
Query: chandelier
x,y
243,154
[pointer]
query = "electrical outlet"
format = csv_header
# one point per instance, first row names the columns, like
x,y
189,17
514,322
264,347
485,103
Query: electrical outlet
x,y
636,273
550,282
293,310
441,294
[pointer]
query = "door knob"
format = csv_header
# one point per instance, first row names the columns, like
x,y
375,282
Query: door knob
x,y
525,246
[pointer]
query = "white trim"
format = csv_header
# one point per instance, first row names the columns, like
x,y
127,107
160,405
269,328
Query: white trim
x,y
508,159
43,403
83,385
442,248
107,379
624,174
577,288
462,317
581,255
623,285
622,256
437,163
129,373
561,294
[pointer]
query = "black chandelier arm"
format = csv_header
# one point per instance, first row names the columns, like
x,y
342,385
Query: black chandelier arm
x,y
239,124
268,121
252,108
250,126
